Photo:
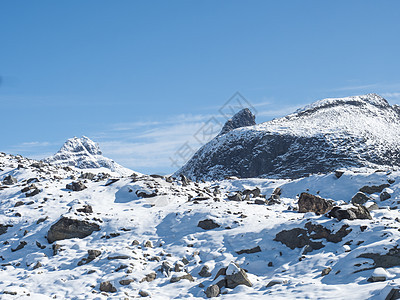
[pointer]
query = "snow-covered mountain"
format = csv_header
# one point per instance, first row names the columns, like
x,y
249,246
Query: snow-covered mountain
x,y
359,131
83,153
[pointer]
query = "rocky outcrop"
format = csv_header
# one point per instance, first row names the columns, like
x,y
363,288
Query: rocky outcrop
x,y
310,236
241,119
67,228
76,186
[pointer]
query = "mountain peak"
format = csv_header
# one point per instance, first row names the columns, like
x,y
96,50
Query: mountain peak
x,y
356,131
242,118
83,153
367,99
83,144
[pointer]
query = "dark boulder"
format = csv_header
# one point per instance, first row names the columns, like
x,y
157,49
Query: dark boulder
x,y
374,188
316,204
9,180
67,228
107,286
360,198
208,224
76,186
236,276
384,196
249,251
352,213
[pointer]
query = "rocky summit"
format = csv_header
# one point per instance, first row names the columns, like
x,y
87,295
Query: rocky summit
x,y
351,132
83,153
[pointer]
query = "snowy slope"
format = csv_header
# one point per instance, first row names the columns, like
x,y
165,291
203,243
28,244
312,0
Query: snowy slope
x,y
168,217
359,131
83,153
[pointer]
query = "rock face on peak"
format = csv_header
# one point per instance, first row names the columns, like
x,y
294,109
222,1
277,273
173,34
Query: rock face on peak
x,y
83,153
358,131
242,118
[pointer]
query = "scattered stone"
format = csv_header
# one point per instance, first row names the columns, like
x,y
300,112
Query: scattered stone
x,y
208,224
185,181
179,278
374,188
275,282
338,174
38,265
67,228
135,243
76,186
394,294
148,244
144,193
143,293
87,209
259,201
41,220
379,274
360,198
212,291
166,268
56,248
185,261
92,254
179,266
89,176
40,245
249,251
106,286
326,271
384,196
21,245
118,257
126,281
205,271
356,212
19,203
221,272
34,192
316,204
9,180
32,180
236,276
3,228
237,196
111,181
149,277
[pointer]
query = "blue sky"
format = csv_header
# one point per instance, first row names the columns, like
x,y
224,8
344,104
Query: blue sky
x,y
141,77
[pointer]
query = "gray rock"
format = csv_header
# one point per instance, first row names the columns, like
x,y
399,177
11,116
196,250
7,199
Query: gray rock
x,y
3,228
356,212
179,278
67,228
9,180
249,251
360,198
149,277
143,293
106,286
76,186
205,271
393,294
237,196
326,271
212,291
239,278
374,188
338,174
207,224
316,204
32,193
384,196
126,281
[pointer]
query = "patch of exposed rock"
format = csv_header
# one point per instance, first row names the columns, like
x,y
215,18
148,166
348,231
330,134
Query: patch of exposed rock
x,y
67,228
300,237
352,213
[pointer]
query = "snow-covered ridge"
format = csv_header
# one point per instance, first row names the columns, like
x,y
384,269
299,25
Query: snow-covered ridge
x,y
358,131
83,153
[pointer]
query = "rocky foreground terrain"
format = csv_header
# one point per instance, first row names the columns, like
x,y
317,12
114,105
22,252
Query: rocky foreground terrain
x,y
69,233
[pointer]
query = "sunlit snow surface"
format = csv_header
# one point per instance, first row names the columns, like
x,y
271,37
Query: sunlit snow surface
x,y
170,221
